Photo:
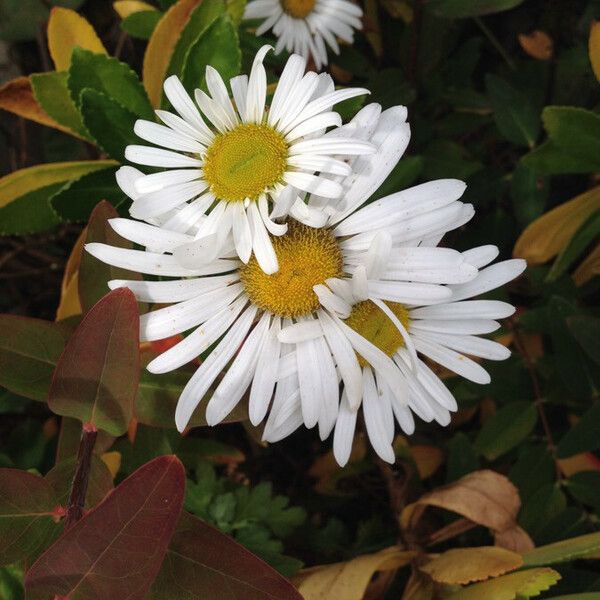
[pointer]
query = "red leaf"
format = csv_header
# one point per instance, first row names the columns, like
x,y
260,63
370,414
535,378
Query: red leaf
x,y
115,551
27,510
97,375
203,563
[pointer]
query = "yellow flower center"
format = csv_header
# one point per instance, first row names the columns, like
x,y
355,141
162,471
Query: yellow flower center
x,y
306,257
298,9
373,324
245,162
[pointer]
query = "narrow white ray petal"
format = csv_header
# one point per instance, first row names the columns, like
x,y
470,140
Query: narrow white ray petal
x,y
166,137
213,111
313,217
175,122
332,302
345,358
324,164
161,201
310,385
324,145
208,371
218,90
313,184
176,318
159,181
272,227
378,255
490,278
199,340
468,344
459,364
481,256
291,74
300,332
239,89
471,309
344,431
376,428
164,292
239,375
261,244
314,124
265,377
187,217
242,236
329,389
127,177
409,293
257,88
385,408
185,106
473,326
158,157
154,264
360,284
148,235
435,386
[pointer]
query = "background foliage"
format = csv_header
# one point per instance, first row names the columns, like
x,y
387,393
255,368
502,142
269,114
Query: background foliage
x,y
501,93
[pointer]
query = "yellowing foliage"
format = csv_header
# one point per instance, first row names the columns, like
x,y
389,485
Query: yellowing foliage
x,y
67,29
124,8
594,48
538,44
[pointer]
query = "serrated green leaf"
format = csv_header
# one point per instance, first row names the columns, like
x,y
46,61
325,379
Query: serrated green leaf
x,y
141,24
563,551
506,429
76,199
218,47
110,124
110,77
30,213
52,93
516,117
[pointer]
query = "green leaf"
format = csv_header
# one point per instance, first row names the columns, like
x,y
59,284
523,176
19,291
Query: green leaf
x,y
542,507
534,469
515,115
27,504
462,458
115,550
445,158
586,330
94,274
563,551
11,583
235,9
202,17
584,486
110,77
218,47
30,213
583,237
522,584
583,437
29,351
110,124
529,192
573,145
75,200
141,24
96,377
506,429
52,93
460,9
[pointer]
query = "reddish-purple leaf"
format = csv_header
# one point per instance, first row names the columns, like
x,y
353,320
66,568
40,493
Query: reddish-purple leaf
x,y
27,508
115,551
97,375
204,563
29,350
94,275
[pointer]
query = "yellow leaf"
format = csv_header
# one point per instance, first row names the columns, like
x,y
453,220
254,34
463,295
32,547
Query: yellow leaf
x,y
537,44
27,180
586,461
124,8
594,48
521,584
349,580
547,236
464,565
428,459
161,46
399,9
17,97
588,268
70,304
67,29
113,461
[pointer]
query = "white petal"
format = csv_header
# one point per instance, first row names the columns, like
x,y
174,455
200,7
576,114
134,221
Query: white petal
x,y
344,432
148,235
471,309
481,256
314,184
157,157
261,244
242,235
332,302
159,181
166,137
300,332
126,179
376,427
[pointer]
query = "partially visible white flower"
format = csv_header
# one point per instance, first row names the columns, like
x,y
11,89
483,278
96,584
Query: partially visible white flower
x,y
307,26
233,167
354,302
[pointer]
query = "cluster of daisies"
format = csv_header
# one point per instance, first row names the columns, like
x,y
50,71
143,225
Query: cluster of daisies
x,y
304,300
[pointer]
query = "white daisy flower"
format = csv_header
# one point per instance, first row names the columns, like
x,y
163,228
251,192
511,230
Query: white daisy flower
x,y
307,26
352,303
238,162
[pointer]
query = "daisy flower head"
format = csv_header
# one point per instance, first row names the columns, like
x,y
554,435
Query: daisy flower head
x,y
235,166
346,320
307,27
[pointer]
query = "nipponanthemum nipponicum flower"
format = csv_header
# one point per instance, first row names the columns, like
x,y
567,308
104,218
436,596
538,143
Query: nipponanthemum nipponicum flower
x,y
306,26
239,162
352,306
